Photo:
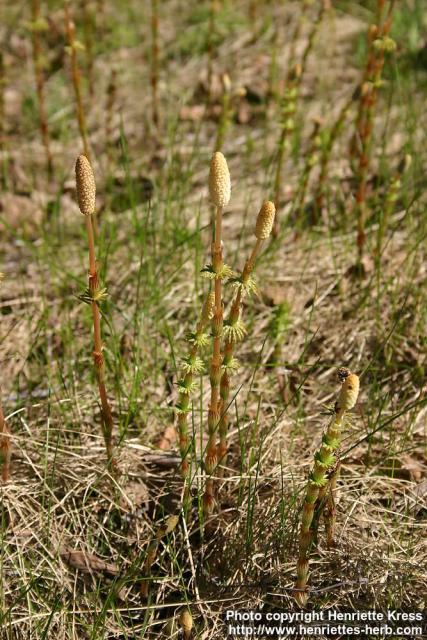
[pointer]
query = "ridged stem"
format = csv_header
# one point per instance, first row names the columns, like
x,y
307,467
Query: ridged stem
x,y
289,104
324,459
211,459
184,397
98,358
369,96
229,347
329,511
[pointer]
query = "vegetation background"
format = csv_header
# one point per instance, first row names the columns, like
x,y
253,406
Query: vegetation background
x,y
75,538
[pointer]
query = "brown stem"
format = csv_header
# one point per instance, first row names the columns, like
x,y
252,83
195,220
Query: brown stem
x,y
98,358
364,125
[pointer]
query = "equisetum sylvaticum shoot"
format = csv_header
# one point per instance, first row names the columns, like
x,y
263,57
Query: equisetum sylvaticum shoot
x,y
290,100
192,366
234,329
220,192
324,462
379,43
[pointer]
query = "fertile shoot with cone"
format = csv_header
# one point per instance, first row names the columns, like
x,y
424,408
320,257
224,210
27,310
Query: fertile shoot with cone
x,y
86,197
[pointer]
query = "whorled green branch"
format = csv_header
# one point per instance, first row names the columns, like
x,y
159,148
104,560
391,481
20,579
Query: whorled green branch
x,y
324,460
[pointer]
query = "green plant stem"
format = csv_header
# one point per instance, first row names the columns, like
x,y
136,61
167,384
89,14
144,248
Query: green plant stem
x,y
184,396
215,369
329,511
229,347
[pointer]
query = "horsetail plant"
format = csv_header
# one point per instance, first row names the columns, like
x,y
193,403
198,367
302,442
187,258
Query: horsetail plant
x,y
329,511
318,483
290,100
94,295
38,26
379,43
192,365
234,329
219,191
288,109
